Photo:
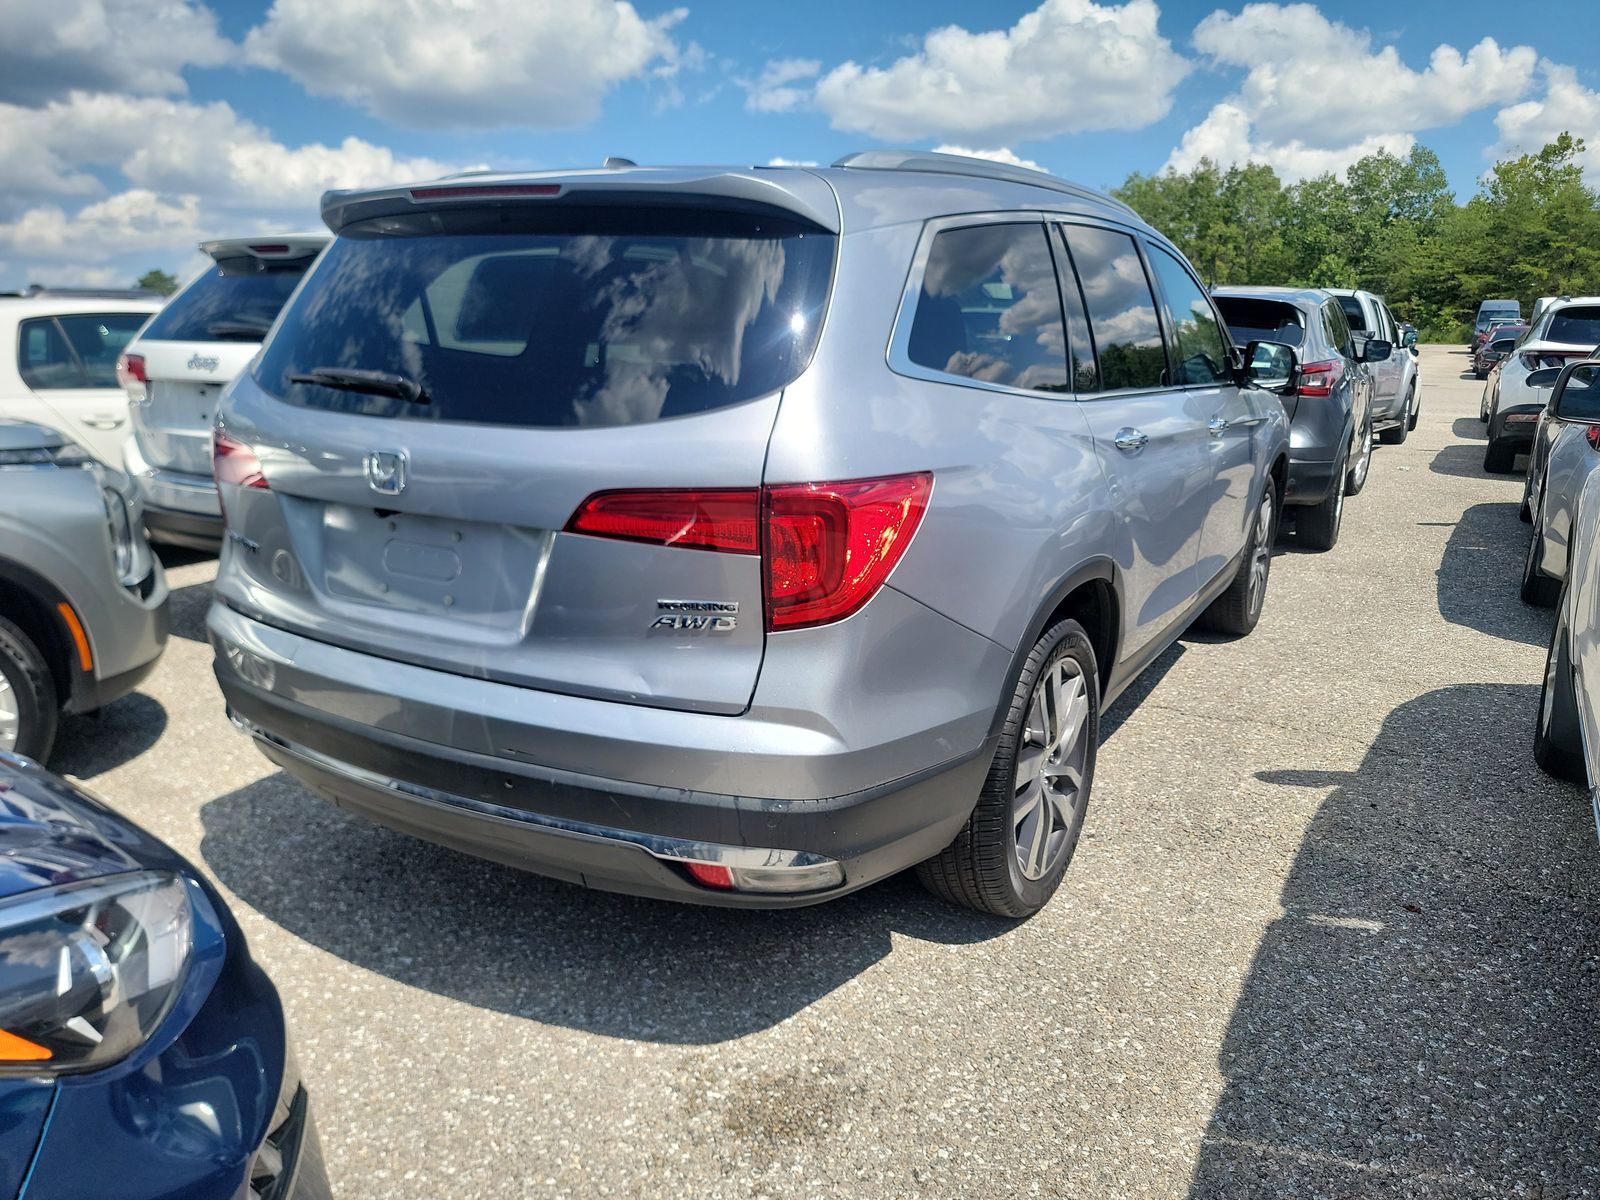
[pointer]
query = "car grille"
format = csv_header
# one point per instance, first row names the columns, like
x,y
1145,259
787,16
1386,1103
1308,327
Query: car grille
x,y
272,1173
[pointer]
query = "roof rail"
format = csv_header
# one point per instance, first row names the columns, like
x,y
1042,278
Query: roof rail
x,y
982,168
82,293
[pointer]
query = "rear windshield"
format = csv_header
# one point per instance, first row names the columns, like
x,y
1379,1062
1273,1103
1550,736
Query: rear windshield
x,y
1352,311
567,317
1578,324
235,301
1252,320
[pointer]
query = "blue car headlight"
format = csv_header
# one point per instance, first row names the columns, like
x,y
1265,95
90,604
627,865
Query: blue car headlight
x,y
88,970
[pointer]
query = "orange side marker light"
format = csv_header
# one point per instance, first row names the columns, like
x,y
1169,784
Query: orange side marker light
x,y
85,659
20,1049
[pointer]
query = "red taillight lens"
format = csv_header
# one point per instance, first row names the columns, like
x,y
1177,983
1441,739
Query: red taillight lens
x,y
826,547
713,519
831,546
234,462
1593,435
710,874
130,369
1319,378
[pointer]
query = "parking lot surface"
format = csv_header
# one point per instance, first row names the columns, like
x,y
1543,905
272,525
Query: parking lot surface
x,y
1329,932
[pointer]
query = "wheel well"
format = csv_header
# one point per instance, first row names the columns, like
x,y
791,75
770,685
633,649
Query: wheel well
x,y
33,617
1094,606
1280,476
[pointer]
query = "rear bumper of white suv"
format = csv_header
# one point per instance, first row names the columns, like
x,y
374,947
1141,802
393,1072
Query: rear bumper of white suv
x,y
319,711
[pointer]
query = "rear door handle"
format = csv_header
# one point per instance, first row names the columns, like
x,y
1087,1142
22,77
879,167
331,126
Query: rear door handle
x,y
1217,426
1130,440
102,421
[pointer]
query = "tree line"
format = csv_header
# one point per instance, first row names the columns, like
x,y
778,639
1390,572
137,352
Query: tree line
x,y
1391,225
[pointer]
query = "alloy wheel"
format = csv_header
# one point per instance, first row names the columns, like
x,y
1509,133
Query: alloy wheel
x,y
1050,766
10,715
1261,554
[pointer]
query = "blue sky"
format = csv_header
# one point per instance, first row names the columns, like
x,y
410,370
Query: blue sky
x,y
130,129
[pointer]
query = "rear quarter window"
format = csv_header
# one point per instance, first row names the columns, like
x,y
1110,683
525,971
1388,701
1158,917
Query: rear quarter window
x,y
1252,320
571,317
1578,324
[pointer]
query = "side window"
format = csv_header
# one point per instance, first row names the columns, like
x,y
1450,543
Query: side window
x,y
1338,329
1122,309
44,359
989,309
98,338
1198,348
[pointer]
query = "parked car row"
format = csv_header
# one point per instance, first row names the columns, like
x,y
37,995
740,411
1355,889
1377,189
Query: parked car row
x,y
1518,387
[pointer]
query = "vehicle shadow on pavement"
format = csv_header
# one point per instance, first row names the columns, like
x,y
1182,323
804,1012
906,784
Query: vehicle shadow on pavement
x,y
505,940
1470,429
187,607
94,743
1421,1019
1480,574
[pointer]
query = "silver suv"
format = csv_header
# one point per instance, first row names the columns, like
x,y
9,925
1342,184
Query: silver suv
x,y
738,535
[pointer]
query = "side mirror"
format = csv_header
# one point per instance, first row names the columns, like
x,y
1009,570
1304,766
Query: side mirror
x,y
1408,339
1577,391
1503,346
1273,366
1376,350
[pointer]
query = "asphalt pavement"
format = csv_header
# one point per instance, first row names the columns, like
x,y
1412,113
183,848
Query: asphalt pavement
x,y
1329,932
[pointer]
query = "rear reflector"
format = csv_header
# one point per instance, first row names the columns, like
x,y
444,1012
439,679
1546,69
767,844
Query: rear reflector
x,y
710,874
709,519
826,547
234,462
485,191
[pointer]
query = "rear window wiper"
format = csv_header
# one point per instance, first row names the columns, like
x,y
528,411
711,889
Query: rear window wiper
x,y
378,383
236,331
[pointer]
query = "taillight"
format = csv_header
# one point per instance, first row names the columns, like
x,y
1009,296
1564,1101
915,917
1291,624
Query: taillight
x,y
1593,434
713,519
1537,360
234,462
830,546
130,369
826,547
1319,378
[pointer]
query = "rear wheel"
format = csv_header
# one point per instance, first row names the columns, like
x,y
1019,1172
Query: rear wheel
x,y
1499,456
1538,589
27,696
1557,747
1238,609
1397,435
1010,856
1356,478
1316,526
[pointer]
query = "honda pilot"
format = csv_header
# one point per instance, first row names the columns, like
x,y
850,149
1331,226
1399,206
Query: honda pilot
x,y
740,535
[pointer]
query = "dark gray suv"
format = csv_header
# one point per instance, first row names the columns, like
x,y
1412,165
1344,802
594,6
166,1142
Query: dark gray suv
x,y
734,535
1329,401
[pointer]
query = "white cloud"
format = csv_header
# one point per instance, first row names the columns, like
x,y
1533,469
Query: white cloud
x,y
432,63
774,91
57,275
780,161
139,46
1226,138
1002,154
135,218
1316,95
1566,107
1067,66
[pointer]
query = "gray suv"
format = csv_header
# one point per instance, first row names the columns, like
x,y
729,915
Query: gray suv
x,y
742,535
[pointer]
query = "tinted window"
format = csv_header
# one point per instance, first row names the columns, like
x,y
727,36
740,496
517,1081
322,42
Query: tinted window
x,y
1252,320
235,301
1578,323
78,351
1197,342
1338,329
1353,314
562,317
989,308
1122,311
1080,343
1580,399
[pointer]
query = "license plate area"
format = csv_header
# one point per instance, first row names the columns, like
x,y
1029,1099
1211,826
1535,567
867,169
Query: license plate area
x,y
183,405
467,572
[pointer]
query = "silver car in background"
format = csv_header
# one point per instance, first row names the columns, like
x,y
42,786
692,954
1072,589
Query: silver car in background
x,y
83,602
1562,456
735,535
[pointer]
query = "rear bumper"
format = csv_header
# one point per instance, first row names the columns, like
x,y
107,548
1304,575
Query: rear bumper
x,y
1310,481
176,502
606,834
189,530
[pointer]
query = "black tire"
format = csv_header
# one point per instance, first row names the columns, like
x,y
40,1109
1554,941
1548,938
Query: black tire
x,y
1557,746
1396,435
1525,509
981,868
1238,610
1538,589
1316,526
1499,456
34,690
1416,409
1356,477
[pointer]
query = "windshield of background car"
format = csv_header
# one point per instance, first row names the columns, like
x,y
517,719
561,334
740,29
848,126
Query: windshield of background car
x,y
74,351
236,300
570,317
1578,324
1252,320
1353,313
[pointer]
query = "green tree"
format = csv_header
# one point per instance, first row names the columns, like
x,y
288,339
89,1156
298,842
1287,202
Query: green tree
x,y
157,280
